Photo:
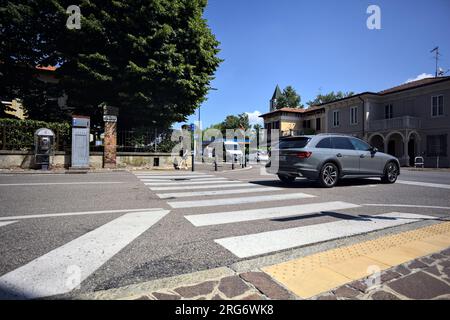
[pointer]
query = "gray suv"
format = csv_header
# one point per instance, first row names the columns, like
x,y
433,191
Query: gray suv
x,y
326,158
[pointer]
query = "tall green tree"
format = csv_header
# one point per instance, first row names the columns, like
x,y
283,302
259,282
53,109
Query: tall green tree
x,y
331,96
236,122
154,59
289,99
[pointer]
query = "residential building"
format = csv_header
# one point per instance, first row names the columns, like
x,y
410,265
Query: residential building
x,y
409,120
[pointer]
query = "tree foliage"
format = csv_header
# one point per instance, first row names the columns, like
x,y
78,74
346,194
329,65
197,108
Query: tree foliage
x,y
331,96
236,122
154,59
289,99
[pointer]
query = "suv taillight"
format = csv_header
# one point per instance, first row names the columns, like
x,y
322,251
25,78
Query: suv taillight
x,y
303,154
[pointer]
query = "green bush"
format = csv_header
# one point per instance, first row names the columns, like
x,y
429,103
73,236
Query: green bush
x,y
19,134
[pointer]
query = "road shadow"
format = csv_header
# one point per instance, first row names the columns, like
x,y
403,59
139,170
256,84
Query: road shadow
x,y
305,183
359,217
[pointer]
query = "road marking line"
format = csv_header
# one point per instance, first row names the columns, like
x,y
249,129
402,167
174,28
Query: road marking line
x,y
265,242
180,183
321,272
403,206
55,183
53,273
200,220
233,201
50,215
176,177
197,187
6,223
424,184
215,192
367,186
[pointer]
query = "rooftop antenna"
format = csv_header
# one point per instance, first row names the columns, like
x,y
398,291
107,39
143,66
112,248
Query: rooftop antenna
x,y
437,60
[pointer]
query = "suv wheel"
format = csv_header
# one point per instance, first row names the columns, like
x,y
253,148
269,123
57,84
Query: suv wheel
x,y
390,173
286,179
329,175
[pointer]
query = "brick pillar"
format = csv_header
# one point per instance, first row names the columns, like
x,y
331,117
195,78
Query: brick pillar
x,y
110,151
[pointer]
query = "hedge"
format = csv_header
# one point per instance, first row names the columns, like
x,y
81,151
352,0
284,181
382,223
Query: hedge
x,y
19,134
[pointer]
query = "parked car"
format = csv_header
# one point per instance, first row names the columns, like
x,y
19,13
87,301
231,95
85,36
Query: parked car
x,y
326,158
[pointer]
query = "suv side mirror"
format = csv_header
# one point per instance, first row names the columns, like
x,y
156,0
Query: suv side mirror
x,y
373,150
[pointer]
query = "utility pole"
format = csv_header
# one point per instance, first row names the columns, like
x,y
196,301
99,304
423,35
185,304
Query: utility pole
x,y
437,60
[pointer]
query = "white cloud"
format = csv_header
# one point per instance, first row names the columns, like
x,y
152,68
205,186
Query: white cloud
x,y
420,77
253,117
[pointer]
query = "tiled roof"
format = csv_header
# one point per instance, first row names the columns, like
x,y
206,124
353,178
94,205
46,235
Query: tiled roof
x,y
294,110
413,84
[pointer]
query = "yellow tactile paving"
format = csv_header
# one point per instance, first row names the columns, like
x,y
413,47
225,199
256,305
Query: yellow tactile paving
x,y
317,273
356,268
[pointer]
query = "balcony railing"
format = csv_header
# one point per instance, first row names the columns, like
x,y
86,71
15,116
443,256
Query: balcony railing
x,y
406,122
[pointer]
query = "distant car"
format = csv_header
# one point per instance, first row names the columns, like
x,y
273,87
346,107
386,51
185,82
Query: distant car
x,y
326,158
258,156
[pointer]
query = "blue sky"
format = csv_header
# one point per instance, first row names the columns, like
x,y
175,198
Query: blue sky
x,y
318,46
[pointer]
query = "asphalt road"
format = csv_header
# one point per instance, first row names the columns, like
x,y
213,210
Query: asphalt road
x,y
50,223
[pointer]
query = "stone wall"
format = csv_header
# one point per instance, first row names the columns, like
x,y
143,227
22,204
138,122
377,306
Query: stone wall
x,y
25,160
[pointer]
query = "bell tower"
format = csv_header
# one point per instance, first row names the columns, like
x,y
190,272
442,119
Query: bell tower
x,y
275,96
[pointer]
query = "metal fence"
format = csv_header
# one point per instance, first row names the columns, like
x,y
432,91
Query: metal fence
x,y
144,140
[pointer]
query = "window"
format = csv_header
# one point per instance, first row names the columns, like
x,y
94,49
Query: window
x,y
360,145
335,118
437,106
342,143
299,142
437,145
324,144
318,124
353,115
307,124
388,111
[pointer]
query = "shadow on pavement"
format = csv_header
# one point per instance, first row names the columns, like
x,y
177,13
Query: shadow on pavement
x,y
305,183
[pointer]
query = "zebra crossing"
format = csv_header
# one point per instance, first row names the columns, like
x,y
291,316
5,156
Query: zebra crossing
x,y
189,194
205,201
64,268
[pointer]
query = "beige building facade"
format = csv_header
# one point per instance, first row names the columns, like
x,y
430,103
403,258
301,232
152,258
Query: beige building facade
x,y
408,121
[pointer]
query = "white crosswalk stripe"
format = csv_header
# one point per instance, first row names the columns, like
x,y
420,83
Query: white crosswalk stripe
x,y
199,220
176,176
182,180
215,186
54,272
181,183
214,192
271,241
240,200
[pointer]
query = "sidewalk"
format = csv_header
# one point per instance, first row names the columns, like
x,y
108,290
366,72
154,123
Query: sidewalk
x,y
410,265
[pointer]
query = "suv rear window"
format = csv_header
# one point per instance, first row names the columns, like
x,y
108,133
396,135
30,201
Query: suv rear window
x,y
293,143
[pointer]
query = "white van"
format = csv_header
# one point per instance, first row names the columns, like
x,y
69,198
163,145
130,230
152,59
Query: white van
x,y
233,151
